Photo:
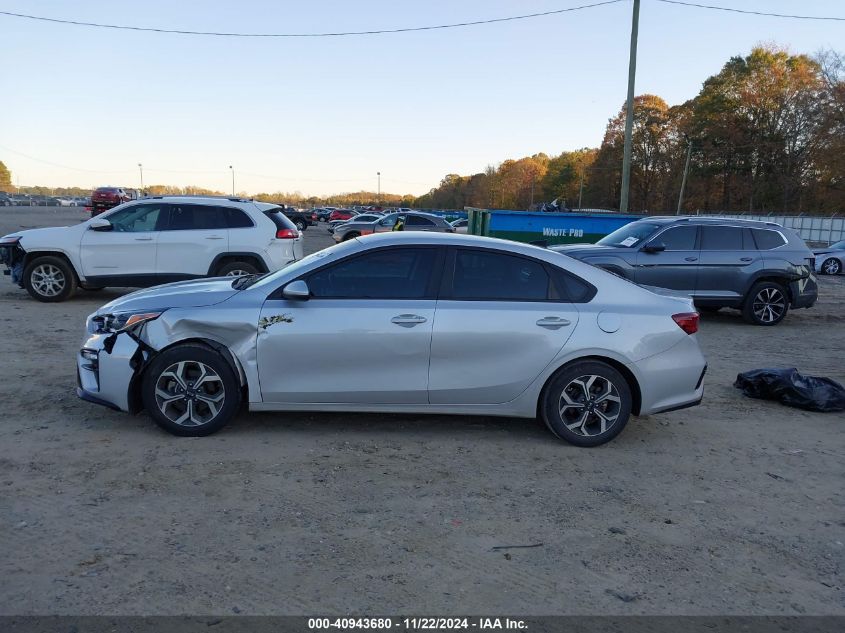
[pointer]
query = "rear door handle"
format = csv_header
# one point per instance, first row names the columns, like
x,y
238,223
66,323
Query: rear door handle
x,y
143,239
552,322
746,259
690,259
214,237
408,320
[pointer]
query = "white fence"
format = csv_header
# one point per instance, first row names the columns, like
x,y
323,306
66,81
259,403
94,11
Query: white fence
x,y
810,228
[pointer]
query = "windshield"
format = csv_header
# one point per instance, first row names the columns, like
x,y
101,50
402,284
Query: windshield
x,y
629,235
838,246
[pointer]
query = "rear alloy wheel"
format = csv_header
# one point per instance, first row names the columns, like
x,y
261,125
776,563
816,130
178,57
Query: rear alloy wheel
x,y
831,266
588,403
49,279
300,225
191,390
350,236
766,304
236,269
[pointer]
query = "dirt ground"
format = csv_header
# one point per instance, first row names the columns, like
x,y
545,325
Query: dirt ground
x,y
735,506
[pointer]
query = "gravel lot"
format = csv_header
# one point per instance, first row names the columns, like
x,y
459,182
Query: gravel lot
x,y
735,506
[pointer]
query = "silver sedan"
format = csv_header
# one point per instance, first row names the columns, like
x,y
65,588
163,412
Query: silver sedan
x,y
830,260
400,322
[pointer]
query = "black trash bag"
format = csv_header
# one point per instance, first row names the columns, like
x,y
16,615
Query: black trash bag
x,y
787,386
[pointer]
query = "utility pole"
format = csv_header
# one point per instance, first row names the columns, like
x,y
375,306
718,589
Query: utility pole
x,y
378,196
531,205
629,111
141,169
233,180
684,179
581,189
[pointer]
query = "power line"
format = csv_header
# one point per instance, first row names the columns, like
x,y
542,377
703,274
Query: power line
x,y
749,12
126,27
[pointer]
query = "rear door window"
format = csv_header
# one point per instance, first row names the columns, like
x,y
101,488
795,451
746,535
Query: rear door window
x,y
494,276
416,220
721,238
235,218
199,217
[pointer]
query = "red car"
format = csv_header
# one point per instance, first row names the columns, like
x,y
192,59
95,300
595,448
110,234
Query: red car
x,y
105,198
341,214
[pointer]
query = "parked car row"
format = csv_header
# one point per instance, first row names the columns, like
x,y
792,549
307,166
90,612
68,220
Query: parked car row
x,y
27,200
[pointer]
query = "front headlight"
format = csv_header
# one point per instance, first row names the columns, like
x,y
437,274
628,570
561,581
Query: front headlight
x,y
119,321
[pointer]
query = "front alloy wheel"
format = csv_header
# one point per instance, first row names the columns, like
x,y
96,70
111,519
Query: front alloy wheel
x,y
190,393
49,279
831,266
587,403
191,390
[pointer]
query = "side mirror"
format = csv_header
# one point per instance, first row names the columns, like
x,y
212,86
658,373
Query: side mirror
x,y
100,224
297,291
654,247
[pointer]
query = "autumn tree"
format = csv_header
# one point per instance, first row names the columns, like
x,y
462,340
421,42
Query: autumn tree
x,y
5,177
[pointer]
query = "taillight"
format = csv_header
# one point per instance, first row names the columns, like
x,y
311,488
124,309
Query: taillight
x,y
687,321
287,234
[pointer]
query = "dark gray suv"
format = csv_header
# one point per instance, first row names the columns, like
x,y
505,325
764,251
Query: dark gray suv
x,y
760,268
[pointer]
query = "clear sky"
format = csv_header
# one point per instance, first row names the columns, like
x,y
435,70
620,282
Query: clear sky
x,y
323,115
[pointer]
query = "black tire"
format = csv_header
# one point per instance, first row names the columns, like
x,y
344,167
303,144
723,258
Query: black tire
x,y
573,379
190,402
231,268
49,279
766,304
300,225
350,235
831,266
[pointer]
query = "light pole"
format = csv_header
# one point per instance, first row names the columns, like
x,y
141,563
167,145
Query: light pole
x,y
629,111
141,169
233,180
684,179
378,195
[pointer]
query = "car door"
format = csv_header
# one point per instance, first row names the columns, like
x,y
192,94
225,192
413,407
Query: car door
x,y
727,254
500,321
194,235
675,267
363,337
129,248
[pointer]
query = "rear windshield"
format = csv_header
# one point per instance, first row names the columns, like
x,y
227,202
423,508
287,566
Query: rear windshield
x,y
279,218
106,190
629,235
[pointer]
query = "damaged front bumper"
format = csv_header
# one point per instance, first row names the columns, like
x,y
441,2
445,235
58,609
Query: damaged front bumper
x,y
12,255
108,366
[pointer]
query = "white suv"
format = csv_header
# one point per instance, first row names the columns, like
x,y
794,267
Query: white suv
x,y
152,241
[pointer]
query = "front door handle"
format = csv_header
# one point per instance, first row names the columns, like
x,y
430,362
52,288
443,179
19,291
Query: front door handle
x,y
746,259
552,322
214,237
690,259
143,239
408,320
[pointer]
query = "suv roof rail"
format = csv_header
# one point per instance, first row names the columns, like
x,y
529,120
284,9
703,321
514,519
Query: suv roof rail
x,y
186,195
